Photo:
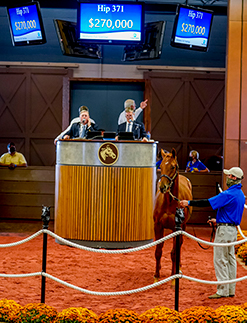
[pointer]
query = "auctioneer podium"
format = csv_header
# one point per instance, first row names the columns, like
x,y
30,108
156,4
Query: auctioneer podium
x,y
104,192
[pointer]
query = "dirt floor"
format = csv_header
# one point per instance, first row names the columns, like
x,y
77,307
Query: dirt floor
x,y
105,273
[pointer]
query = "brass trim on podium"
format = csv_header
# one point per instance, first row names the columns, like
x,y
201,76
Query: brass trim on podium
x,y
103,203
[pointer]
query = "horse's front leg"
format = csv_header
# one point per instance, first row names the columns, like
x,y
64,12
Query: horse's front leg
x,y
158,251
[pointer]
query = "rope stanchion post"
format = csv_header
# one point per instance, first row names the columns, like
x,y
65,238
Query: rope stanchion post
x,y
179,218
45,218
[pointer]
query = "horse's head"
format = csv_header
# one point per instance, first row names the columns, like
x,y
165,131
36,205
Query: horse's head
x,y
169,170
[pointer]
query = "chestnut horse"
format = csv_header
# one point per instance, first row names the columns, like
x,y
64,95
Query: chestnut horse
x,y
172,188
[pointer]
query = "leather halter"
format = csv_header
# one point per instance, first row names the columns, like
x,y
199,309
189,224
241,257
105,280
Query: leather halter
x,y
169,178
171,182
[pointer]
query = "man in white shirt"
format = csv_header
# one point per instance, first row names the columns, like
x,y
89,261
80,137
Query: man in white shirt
x,y
82,128
121,118
137,112
74,121
131,125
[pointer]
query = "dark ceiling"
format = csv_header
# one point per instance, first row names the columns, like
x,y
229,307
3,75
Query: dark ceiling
x,y
73,3
218,6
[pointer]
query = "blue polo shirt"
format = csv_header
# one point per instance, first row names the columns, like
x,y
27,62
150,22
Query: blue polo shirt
x,y
158,164
197,164
230,205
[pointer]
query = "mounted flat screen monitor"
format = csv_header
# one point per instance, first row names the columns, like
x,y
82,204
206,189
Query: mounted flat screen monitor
x,y
110,22
192,28
94,135
26,25
152,45
126,136
67,37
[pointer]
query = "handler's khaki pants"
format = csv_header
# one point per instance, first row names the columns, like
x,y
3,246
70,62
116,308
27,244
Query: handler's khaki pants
x,y
225,264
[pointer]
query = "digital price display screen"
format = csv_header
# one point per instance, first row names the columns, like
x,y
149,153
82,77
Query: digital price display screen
x,y
110,22
26,24
192,28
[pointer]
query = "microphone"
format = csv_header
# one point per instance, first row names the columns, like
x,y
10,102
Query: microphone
x,y
137,128
83,121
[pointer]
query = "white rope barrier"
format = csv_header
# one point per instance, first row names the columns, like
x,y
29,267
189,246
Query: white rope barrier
x,y
21,241
127,292
146,246
137,290
172,235
20,275
213,243
151,244
209,282
141,289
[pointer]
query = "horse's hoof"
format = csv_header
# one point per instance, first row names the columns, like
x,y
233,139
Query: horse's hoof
x,y
156,279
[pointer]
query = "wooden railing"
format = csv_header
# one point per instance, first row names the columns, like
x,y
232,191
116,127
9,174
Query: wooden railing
x,y
24,190
204,185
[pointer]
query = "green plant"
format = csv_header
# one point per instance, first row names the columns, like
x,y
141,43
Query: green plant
x,y
119,315
74,315
200,314
232,313
161,314
8,309
239,237
37,313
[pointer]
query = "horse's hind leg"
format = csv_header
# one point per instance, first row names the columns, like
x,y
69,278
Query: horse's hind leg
x,y
158,251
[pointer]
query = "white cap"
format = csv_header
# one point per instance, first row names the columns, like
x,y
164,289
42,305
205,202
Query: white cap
x,y
235,171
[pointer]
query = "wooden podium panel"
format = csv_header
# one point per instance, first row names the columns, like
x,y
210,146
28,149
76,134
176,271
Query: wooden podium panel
x,y
104,205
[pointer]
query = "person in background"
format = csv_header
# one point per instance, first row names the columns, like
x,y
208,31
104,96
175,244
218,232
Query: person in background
x,y
75,120
230,207
12,158
131,125
81,128
121,118
194,165
159,161
136,112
